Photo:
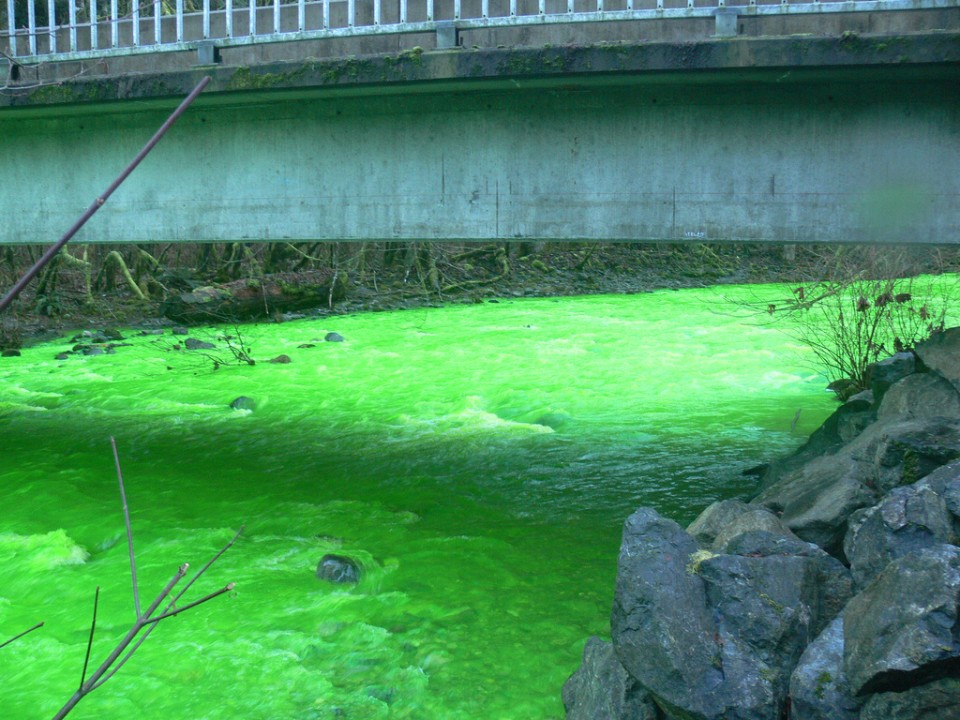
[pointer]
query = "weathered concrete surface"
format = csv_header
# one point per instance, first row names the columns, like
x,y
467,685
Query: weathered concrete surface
x,y
800,139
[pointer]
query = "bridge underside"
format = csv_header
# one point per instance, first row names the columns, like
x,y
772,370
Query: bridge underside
x,y
791,149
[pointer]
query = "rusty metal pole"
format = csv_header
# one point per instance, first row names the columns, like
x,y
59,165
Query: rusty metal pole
x,y
99,202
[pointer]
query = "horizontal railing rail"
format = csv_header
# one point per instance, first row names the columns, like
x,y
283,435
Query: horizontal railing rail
x,y
33,31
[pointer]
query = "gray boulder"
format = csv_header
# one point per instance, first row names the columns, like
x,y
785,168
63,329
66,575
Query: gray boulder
x,y
244,403
938,700
816,500
920,395
818,687
716,637
771,596
663,631
602,690
907,520
903,629
945,481
724,520
900,453
886,372
941,355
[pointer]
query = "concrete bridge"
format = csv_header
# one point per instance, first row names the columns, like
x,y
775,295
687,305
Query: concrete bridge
x,y
485,120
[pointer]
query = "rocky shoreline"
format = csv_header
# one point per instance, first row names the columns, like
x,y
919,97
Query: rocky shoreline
x,y
833,595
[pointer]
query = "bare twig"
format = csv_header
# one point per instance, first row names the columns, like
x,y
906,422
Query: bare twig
x,y
145,620
93,628
126,522
17,637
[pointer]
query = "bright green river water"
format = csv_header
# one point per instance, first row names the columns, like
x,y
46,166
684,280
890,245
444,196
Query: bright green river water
x,y
478,460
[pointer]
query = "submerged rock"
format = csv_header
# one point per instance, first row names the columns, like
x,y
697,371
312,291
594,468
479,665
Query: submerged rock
x,y
243,403
339,569
195,344
280,360
333,337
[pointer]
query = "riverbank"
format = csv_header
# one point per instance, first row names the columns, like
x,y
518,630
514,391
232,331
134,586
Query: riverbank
x,y
391,277
833,595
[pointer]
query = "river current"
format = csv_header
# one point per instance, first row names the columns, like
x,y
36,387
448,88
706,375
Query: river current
x,y
477,460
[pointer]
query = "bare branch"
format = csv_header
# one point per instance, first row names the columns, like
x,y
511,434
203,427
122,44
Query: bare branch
x,y
93,627
25,632
126,522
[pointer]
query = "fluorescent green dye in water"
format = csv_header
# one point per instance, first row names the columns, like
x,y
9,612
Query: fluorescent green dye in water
x,y
478,461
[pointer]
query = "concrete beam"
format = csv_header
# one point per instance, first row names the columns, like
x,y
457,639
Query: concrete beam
x,y
849,139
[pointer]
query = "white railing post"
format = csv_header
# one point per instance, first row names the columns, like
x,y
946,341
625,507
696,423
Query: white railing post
x,y
456,9
485,9
430,10
301,15
351,13
94,25
206,19
179,21
403,10
253,18
376,12
72,17
229,18
599,6
276,17
12,27
135,18
114,23
52,25
513,8
157,24
32,26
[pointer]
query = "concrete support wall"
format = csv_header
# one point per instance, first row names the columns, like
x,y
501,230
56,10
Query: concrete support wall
x,y
819,156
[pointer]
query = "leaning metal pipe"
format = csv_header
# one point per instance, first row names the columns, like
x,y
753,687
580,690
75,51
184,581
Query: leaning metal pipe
x,y
99,202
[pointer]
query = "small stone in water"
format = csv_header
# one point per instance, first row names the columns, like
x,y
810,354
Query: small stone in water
x,y
338,569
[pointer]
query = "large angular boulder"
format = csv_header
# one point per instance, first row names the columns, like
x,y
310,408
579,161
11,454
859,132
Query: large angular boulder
x,y
903,629
938,700
716,636
724,520
816,500
663,631
818,687
907,520
920,395
941,355
602,690
886,372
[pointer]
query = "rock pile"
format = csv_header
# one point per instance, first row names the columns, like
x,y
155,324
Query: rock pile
x,y
834,594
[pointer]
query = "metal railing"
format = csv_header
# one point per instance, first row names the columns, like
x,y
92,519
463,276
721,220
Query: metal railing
x,y
34,31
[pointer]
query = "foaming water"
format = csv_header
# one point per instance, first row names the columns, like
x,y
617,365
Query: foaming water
x,y
477,461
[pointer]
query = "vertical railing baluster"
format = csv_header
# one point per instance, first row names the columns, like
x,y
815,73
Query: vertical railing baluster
x,y
600,6
629,5
206,19
351,13
276,17
12,27
94,25
429,10
114,23
135,17
228,19
157,24
376,12
326,14
542,7
485,8
301,15
72,19
179,21
403,10
52,25
32,26
570,7
456,9
513,8
253,18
